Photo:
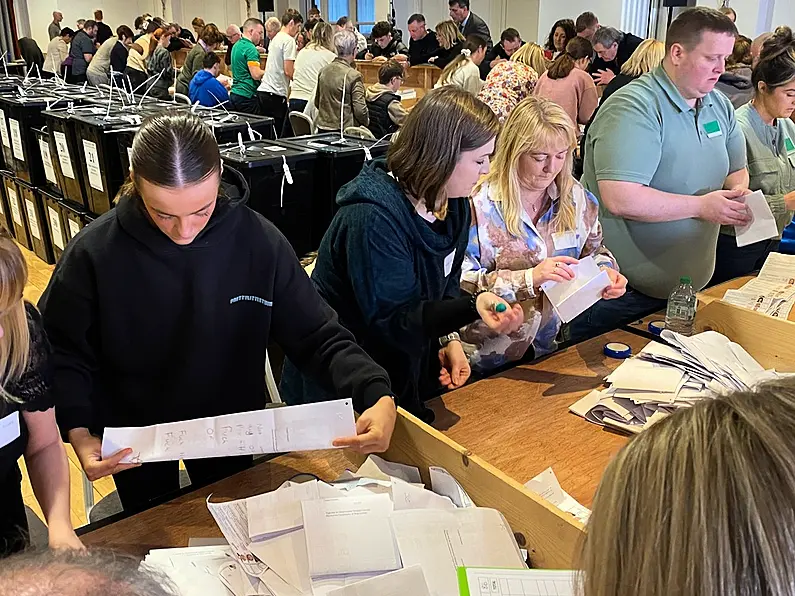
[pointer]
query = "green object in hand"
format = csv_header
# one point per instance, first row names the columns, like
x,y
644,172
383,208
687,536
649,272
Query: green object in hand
x,y
500,307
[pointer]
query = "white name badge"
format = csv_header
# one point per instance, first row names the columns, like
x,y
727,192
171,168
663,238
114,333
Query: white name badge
x,y
9,429
448,263
564,240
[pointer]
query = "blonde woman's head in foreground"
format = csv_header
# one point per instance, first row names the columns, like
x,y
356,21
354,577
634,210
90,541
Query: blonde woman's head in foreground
x,y
532,55
535,151
700,504
648,56
14,332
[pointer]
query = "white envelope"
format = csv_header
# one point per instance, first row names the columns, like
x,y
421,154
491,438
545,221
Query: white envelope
x,y
763,226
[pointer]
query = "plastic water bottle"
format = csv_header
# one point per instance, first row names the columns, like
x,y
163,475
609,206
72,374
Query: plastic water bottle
x,y
681,312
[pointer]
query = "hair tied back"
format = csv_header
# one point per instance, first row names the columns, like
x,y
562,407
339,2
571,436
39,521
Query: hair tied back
x,y
466,52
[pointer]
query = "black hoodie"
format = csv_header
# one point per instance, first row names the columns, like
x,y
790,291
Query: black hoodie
x,y
146,331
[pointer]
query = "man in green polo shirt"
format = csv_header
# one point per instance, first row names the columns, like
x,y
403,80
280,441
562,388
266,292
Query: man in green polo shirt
x,y
246,71
666,159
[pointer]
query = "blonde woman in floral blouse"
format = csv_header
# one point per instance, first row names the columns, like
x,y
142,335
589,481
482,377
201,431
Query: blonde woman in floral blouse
x,y
531,220
510,82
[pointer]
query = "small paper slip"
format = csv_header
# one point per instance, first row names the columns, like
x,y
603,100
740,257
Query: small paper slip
x,y
763,224
403,582
519,582
646,376
280,510
379,469
574,297
350,535
411,496
278,430
443,483
442,541
546,485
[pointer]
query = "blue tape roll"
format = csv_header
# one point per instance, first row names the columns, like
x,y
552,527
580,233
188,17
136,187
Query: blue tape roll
x,y
656,327
616,349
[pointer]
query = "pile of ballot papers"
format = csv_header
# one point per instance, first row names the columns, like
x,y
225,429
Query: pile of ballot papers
x,y
666,377
377,531
772,293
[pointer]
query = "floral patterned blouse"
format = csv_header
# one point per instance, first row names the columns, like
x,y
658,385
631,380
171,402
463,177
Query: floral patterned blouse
x,y
508,83
503,264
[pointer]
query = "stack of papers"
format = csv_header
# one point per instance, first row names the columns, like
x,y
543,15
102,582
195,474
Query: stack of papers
x,y
772,293
664,378
199,571
571,298
363,536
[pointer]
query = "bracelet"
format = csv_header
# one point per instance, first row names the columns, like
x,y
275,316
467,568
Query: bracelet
x,y
450,337
474,302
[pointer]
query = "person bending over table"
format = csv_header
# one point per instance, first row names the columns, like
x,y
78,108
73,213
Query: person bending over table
x,y
390,263
464,71
450,44
770,143
27,418
702,502
510,82
161,310
532,221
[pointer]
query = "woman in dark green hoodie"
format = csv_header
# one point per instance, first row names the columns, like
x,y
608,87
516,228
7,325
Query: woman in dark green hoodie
x,y
390,263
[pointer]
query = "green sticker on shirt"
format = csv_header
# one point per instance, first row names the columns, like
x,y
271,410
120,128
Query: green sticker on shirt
x,y
712,129
789,145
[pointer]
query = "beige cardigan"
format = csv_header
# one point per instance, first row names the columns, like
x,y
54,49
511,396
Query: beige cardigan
x,y
328,97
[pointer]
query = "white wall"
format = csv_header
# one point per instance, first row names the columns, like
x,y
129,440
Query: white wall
x,y
749,20
783,13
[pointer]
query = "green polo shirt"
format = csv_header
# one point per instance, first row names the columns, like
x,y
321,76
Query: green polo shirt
x,y
243,52
646,133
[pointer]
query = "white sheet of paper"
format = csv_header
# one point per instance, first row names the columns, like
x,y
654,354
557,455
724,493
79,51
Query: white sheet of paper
x,y
443,483
574,297
278,430
4,130
9,429
403,582
92,165
13,200
350,535
33,219
232,519
55,226
287,556
46,159
521,582
442,541
411,496
380,469
62,149
279,510
763,225
73,228
193,570
547,486
16,139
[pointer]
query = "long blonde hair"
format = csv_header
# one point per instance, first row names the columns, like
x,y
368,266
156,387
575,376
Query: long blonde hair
x,y
532,55
534,125
648,56
448,34
700,504
322,37
15,343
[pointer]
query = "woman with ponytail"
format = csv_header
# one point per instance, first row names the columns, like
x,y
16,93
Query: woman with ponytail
x,y
464,70
27,418
770,146
568,83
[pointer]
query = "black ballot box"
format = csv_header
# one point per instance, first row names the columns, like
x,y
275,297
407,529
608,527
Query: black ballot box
x,y
17,209
288,206
5,210
50,183
33,212
73,217
54,218
339,160
64,152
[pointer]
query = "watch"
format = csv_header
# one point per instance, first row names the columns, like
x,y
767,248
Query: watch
x,y
446,339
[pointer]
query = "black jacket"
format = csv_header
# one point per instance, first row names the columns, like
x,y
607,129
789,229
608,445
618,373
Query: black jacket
x,y
496,52
104,33
477,26
420,51
395,47
146,331
626,48
445,57
380,122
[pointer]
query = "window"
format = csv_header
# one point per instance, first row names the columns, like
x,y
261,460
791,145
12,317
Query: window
x,y
365,16
362,12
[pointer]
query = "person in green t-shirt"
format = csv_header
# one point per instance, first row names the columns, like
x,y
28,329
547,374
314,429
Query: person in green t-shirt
x,y
246,69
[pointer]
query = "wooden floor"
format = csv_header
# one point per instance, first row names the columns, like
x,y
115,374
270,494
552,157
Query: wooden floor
x,y
39,274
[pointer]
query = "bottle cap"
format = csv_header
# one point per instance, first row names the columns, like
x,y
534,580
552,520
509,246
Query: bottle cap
x,y
500,308
685,279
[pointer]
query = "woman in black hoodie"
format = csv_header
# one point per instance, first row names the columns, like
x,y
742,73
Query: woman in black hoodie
x,y
390,263
161,310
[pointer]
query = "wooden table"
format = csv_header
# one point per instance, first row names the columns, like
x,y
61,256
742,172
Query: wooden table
x,y
519,421
423,76
175,522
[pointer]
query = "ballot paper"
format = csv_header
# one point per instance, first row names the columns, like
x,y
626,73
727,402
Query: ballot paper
x,y
280,510
516,582
571,298
443,483
546,485
350,535
380,469
193,571
403,582
278,430
412,496
232,519
772,293
285,555
663,378
763,224
442,541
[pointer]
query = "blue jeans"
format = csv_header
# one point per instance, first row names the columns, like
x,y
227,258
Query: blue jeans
x,y
607,315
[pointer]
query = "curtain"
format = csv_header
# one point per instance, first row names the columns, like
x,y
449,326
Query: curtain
x,y
635,17
6,37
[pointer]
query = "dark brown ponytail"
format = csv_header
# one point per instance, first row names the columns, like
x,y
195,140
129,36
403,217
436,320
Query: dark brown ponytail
x,y
576,49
